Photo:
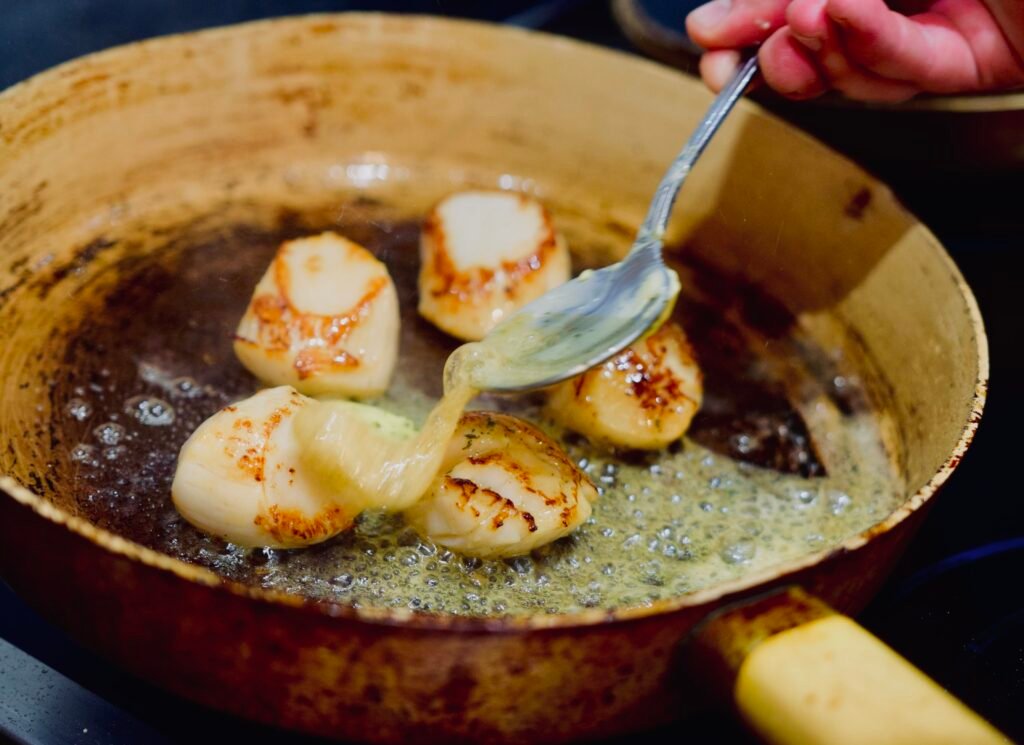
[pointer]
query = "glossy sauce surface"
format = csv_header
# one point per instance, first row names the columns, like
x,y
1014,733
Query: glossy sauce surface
x,y
353,455
751,485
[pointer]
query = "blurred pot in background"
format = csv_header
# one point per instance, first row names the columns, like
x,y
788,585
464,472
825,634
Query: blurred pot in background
x,y
935,150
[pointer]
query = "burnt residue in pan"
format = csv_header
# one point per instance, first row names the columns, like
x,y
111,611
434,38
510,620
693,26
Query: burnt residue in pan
x,y
153,359
746,413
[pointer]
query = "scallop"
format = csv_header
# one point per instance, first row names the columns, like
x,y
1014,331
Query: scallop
x,y
323,319
504,489
240,477
642,398
484,255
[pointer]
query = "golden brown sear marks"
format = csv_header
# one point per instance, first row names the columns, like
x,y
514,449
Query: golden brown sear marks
x,y
240,476
505,488
291,525
644,397
282,328
324,319
469,284
483,255
245,441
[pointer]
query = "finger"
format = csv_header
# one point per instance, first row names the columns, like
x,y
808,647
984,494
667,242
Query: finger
x,y
808,23
927,49
813,28
789,68
718,67
1009,17
733,24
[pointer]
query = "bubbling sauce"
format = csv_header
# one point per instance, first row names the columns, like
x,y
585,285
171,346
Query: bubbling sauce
x,y
769,471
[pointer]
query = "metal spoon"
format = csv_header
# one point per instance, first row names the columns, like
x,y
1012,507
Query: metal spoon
x,y
589,319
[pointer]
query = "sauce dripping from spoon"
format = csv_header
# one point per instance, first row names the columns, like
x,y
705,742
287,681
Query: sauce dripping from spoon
x,y
375,457
377,461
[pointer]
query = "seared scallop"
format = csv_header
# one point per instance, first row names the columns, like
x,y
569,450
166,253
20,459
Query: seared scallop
x,y
504,489
323,319
644,397
484,255
240,477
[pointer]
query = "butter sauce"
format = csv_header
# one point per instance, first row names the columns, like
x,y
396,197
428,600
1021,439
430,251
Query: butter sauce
x,y
365,460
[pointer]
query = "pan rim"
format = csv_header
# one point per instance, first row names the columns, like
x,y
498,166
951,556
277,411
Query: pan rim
x,y
407,618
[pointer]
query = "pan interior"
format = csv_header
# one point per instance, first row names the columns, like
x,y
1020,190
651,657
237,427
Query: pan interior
x,y
788,455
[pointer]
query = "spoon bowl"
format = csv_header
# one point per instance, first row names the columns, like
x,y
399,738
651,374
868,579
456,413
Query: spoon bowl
x,y
580,324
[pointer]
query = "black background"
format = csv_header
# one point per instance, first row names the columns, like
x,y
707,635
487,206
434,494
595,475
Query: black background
x,y
955,605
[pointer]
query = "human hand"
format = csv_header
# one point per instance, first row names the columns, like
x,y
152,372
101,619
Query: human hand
x,y
864,49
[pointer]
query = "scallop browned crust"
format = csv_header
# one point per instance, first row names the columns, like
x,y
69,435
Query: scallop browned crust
x,y
323,319
504,489
241,477
484,255
644,397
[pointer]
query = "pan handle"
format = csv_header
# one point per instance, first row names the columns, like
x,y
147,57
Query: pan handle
x,y
802,674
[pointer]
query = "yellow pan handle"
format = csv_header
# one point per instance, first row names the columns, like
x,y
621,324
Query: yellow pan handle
x,y
831,681
802,674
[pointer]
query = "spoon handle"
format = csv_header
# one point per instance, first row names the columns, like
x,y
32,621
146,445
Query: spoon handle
x,y
656,221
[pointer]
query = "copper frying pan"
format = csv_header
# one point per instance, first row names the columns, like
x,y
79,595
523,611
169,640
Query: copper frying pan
x,y
115,161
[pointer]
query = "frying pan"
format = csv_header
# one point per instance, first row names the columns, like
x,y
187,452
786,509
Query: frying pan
x,y
116,161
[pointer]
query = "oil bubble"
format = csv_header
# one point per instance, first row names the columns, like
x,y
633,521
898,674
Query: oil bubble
x,y
185,388
410,558
150,411
78,408
739,552
803,497
521,565
84,454
109,433
114,452
838,501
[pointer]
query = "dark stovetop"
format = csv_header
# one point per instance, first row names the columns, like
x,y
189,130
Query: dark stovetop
x,y
954,605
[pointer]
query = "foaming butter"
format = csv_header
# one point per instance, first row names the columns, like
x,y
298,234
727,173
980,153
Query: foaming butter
x,y
672,524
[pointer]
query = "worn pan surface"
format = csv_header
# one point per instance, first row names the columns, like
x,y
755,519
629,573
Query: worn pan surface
x,y
218,142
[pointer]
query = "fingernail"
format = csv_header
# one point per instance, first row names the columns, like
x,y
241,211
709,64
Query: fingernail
x,y
811,42
707,17
837,15
721,68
